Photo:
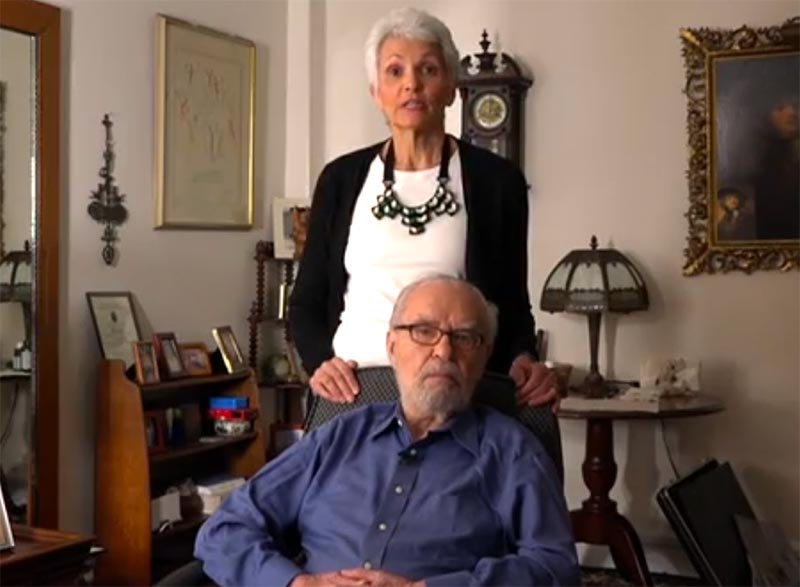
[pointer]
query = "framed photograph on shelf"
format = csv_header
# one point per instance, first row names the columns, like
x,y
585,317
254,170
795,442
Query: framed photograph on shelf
x,y
204,123
155,429
289,226
6,536
114,323
742,89
144,355
169,356
195,358
229,349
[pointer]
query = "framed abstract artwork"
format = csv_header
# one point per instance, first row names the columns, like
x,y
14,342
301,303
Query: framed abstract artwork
x,y
742,89
204,127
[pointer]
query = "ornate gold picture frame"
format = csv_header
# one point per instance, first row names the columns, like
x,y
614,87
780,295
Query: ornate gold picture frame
x,y
205,96
742,116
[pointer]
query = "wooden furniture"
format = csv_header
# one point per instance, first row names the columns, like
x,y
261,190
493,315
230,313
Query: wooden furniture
x,y
598,521
45,557
42,23
282,374
127,476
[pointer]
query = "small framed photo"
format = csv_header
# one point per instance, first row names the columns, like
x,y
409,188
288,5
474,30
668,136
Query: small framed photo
x,y
114,323
289,226
229,349
144,355
195,358
6,536
169,356
155,430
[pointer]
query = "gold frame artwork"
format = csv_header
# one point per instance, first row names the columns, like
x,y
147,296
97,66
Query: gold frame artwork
x,y
205,100
735,81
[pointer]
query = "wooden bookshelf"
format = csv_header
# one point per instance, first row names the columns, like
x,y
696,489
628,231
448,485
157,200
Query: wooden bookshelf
x,y
127,472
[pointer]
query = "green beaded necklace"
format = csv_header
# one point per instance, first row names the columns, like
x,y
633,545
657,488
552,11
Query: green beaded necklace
x,y
416,217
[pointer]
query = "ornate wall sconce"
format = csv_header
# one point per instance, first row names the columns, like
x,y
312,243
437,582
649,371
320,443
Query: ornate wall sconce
x,y
106,202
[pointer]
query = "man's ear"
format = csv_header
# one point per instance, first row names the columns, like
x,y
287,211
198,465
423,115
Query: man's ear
x,y
390,342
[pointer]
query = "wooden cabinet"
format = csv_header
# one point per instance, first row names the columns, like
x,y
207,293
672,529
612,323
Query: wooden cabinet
x,y
45,557
128,475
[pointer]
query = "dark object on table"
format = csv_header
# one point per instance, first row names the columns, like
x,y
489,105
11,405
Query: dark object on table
x,y
701,507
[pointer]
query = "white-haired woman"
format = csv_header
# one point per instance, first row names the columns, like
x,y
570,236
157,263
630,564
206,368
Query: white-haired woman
x,y
420,202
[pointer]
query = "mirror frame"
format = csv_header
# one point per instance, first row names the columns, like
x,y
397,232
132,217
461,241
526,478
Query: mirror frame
x,y
43,22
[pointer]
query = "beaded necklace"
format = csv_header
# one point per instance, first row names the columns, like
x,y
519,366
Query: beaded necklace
x,y
416,217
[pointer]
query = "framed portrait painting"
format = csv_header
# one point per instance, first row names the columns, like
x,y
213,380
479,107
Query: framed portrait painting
x,y
742,88
114,323
204,127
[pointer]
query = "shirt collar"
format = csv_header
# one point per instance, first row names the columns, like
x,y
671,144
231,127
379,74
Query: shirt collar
x,y
463,427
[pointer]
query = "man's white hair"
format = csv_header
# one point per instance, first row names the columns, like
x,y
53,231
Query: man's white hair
x,y
410,23
488,320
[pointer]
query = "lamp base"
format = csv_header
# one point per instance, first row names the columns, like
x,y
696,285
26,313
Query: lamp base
x,y
594,386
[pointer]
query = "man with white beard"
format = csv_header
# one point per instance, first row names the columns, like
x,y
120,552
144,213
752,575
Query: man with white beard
x,y
432,490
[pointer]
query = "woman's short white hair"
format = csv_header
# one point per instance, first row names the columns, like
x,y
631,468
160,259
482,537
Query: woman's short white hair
x,y
410,23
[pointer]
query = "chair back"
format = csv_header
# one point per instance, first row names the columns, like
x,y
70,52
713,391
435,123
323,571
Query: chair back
x,y
378,384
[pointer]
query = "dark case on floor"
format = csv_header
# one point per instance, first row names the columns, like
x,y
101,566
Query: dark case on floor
x,y
701,507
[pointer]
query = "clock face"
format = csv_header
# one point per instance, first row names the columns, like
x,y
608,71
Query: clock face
x,y
489,110
278,366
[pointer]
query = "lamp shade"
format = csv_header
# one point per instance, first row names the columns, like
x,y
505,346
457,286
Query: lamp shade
x,y
594,280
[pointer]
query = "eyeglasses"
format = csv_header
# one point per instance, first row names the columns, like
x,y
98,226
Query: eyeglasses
x,y
464,339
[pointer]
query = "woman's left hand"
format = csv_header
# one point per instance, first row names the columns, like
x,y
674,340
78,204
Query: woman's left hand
x,y
536,384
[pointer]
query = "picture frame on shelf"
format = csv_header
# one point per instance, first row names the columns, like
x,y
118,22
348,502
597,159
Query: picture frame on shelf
x,y
205,84
742,89
146,360
169,356
115,324
229,349
6,534
195,358
155,430
289,226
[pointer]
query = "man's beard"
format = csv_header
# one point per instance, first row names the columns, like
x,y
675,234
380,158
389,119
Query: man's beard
x,y
441,397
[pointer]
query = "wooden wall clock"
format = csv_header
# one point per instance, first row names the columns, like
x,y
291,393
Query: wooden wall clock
x,y
493,95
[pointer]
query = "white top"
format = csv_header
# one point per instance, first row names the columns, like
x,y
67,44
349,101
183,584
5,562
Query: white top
x,y
381,257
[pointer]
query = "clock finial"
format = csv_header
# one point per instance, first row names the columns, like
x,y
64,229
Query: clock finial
x,y
485,42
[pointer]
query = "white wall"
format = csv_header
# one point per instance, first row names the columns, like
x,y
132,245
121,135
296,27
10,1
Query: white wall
x,y
184,281
606,154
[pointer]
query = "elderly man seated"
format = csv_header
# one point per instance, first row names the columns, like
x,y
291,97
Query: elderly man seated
x,y
430,491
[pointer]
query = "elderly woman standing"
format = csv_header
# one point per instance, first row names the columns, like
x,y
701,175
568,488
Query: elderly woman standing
x,y
420,202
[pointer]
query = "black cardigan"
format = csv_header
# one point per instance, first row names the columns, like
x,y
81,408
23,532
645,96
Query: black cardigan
x,y
495,193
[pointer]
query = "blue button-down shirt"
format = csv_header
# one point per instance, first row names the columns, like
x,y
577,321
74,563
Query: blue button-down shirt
x,y
476,503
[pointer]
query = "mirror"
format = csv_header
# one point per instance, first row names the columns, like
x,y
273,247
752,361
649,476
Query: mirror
x,y
30,180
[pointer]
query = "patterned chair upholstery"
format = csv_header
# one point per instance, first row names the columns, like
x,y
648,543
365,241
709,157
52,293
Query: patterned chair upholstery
x,y
378,384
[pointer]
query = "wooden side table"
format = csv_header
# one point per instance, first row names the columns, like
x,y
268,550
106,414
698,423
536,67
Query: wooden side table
x,y
598,521
45,557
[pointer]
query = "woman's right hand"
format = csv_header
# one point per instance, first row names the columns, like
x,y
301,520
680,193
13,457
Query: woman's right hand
x,y
335,380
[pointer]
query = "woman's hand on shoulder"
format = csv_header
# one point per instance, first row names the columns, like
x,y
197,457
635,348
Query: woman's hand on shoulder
x,y
536,384
335,380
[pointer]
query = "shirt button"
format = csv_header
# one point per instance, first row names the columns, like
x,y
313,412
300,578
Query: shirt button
x,y
399,422
382,527
413,452
398,489
367,565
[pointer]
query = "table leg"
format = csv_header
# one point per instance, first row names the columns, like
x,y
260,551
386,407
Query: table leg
x,y
598,521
